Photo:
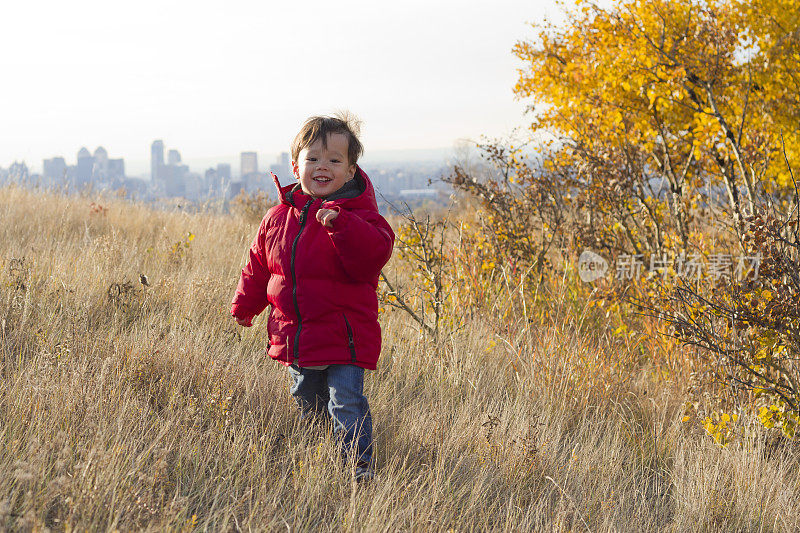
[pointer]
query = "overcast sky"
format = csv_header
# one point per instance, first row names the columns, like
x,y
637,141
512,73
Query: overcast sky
x,y
216,78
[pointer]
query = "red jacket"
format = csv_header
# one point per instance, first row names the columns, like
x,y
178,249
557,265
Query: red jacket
x,y
321,282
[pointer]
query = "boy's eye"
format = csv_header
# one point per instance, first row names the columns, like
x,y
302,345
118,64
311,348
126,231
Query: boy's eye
x,y
334,160
311,158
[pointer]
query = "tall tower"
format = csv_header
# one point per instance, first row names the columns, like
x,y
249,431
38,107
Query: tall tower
x,y
100,163
156,160
249,163
85,166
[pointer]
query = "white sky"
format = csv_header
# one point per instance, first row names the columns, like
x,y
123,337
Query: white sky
x,y
217,78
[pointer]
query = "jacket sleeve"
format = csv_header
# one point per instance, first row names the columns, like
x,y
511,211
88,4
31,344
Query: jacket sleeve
x,y
363,241
250,298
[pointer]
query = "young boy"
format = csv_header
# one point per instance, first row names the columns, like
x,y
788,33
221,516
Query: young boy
x,y
316,259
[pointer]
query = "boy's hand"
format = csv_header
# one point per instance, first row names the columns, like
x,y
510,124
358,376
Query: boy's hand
x,y
327,216
244,322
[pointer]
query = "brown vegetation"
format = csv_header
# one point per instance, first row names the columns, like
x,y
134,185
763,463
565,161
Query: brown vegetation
x,y
128,405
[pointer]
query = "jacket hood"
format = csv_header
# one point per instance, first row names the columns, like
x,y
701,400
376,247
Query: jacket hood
x,y
364,192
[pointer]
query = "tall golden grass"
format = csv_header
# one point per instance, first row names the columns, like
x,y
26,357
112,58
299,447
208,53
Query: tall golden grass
x,y
126,406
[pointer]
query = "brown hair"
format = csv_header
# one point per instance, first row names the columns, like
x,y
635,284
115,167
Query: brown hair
x,y
318,128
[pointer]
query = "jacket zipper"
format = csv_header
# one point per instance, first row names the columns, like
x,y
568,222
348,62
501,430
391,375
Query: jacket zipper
x,y
350,339
303,214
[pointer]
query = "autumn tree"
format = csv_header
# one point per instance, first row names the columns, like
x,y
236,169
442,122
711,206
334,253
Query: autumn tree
x,y
677,122
659,104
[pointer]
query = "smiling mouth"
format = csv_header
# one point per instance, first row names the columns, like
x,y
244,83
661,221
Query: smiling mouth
x,y
323,180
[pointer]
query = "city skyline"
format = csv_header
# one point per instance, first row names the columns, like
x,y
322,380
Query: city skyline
x,y
171,179
58,164
143,168
218,80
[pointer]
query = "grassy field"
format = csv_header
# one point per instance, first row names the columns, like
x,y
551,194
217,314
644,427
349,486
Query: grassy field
x,y
126,406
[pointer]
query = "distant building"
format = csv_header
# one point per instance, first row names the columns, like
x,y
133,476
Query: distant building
x,y
255,182
54,170
176,175
224,171
175,180
18,172
211,181
116,169
217,180
234,188
419,192
167,179
85,169
173,157
97,169
156,160
192,186
100,169
249,163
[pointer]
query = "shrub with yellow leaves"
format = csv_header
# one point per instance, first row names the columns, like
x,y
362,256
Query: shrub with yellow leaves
x,y
750,327
720,427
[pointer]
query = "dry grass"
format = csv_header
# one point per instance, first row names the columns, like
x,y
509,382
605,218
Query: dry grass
x,y
125,406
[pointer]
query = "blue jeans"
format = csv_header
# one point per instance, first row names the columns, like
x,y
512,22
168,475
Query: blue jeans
x,y
340,389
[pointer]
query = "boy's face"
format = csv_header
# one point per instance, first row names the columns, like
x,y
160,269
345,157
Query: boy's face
x,y
323,170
